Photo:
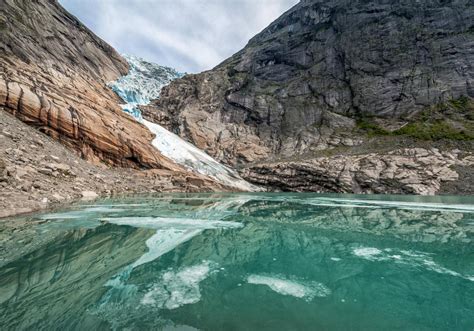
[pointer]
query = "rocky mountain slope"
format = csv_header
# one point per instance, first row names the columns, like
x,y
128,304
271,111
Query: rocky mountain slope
x,y
37,172
334,74
142,84
53,76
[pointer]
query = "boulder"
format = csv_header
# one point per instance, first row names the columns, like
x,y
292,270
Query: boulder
x,y
89,195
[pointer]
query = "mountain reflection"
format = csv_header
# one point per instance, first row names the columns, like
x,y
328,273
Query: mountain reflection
x,y
175,260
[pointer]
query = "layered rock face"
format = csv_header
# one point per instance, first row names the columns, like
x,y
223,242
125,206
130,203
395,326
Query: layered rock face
x,y
53,76
302,83
405,171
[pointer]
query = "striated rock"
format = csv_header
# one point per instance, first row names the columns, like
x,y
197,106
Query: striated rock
x,y
53,76
405,171
301,84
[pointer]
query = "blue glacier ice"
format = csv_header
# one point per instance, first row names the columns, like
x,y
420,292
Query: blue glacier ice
x,y
142,85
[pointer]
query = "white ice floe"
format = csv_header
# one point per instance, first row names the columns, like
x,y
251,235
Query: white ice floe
x,y
143,84
368,253
373,204
164,241
296,288
171,232
174,288
172,223
179,288
414,259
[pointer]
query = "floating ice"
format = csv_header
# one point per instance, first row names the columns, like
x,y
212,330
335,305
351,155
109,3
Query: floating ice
x,y
143,84
172,223
164,241
374,204
178,288
296,288
368,253
414,259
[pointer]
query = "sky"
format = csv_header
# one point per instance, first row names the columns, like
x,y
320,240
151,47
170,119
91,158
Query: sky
x,y
188,35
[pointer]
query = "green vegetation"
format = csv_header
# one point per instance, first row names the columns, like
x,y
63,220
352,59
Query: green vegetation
x,y
452,120
371,128
433,131
463,104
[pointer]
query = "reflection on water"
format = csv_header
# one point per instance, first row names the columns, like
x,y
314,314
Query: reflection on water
x,y
243,262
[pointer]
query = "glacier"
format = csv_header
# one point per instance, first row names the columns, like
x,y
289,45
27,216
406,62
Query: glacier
x,y
142,84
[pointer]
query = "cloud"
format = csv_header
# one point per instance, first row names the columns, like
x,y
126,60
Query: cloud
x,y
189,35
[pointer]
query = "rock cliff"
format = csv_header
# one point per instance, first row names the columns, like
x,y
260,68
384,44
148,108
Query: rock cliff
x,y
53,76
405,171
328,74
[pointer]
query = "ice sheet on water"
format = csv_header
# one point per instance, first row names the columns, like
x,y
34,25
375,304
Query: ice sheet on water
x,y
405,205
172,223
179,288
414,259
307,290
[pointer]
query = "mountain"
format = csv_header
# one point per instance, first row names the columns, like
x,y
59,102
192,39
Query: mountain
x,y
320,99
144,83
53,76
59,78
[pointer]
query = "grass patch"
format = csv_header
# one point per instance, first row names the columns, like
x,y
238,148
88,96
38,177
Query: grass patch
x,y
451,120
463,104
434,131
371,128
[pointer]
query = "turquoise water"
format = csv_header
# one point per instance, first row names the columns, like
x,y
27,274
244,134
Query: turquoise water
x,y
242,262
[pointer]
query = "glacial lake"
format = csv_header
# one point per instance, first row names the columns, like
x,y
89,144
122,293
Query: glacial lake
x,y
242,262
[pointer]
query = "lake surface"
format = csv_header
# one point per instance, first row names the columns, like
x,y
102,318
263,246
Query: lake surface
x,y
242,262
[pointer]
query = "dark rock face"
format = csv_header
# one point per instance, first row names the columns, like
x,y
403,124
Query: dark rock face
x,y
301,83
53,76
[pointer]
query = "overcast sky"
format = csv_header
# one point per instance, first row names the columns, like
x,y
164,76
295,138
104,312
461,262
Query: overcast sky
x,y
189,35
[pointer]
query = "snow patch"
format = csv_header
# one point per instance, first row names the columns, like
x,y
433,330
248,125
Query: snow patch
x,y
194,159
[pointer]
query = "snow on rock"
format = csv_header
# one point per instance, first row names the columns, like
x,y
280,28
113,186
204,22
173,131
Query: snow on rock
x,y
143,84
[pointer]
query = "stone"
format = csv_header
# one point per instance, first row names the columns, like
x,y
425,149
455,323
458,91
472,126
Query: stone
x,y
89,195
58,197
394,172
45,171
